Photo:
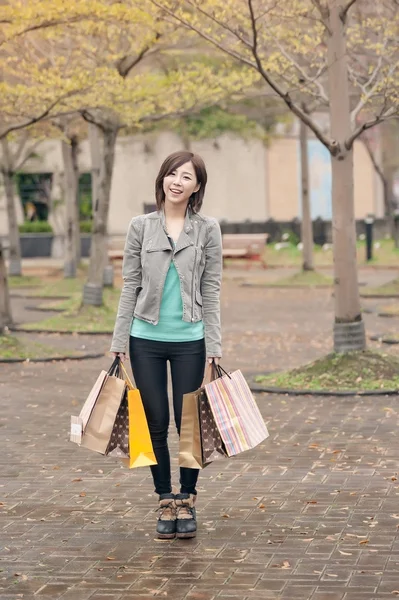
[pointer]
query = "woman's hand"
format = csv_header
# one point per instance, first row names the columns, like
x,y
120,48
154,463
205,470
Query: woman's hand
x,y
213,359
121,355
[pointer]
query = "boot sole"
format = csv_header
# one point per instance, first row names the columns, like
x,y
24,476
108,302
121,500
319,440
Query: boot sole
x,y
186,535
166,536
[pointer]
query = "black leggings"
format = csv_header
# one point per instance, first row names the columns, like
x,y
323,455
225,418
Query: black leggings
x,y
187,363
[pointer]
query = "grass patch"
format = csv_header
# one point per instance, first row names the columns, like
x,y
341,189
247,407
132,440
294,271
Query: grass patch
x,y
58,287
291,256
388,289
384,254
303,278
77,317
23,281
392,310
12,347
354,371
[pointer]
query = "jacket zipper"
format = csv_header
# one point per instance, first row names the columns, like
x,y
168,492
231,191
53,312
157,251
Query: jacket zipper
x,y
193,285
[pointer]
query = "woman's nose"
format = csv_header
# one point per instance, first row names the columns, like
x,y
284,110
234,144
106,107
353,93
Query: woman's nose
x,y
177,180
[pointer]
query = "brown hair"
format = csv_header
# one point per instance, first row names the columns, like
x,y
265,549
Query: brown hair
x,y
173,162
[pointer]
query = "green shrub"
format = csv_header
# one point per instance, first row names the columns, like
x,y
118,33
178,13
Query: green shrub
x,y
35,227
85,226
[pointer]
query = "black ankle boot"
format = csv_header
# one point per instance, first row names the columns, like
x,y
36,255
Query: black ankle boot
x,y
166,526
186,524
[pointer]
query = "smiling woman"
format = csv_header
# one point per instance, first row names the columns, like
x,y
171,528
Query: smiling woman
x,y
169,311
183,173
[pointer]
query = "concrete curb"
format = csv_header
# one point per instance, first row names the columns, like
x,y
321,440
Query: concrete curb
x,y
380,338
58,331
43,298
379,296
286,287
40,309
52,359
274,390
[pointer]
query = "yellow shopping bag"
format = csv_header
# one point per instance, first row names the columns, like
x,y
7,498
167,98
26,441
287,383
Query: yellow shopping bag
x,y
141,452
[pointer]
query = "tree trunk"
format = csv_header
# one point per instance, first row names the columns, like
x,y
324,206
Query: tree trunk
x,y
5,307
349,333
72,235
75,165
93,290
13,231
306,224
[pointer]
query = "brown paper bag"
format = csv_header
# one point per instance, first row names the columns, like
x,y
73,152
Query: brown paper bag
x,y
99,428
190,449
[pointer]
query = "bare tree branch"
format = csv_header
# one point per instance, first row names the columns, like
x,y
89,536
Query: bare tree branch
x,y
127,63
346,8
305,76
373,159
368,93
284,95
30,121
323,10
383,116
257,65
221,23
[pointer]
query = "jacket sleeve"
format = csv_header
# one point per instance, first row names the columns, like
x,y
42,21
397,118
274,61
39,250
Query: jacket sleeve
x,y
131,273
210,290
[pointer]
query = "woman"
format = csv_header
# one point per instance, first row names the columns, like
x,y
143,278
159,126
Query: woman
x,y
169,310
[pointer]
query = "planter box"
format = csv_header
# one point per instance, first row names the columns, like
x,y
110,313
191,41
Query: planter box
x,y
40,245
36,245
85,244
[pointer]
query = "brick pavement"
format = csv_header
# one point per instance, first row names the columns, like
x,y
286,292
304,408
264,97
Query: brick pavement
x,y
313,513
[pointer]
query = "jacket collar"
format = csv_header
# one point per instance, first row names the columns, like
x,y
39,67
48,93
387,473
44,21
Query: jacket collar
x,y
184,239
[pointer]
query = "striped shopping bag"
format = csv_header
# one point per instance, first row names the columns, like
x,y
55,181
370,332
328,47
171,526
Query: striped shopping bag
x,y
235,411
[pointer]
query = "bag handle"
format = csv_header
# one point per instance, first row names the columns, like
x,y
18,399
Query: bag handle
x,y
127,378
115,367
210,374
220,371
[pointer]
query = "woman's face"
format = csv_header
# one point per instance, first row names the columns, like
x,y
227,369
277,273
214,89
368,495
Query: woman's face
x,y
180,184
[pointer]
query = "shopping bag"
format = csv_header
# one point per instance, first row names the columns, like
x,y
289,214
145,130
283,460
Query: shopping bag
x,y
119,442
78,424
141,452
97,433
190,448
200,442
238,419
212,444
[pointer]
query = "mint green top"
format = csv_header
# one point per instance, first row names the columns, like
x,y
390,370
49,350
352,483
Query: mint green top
x,y
170,327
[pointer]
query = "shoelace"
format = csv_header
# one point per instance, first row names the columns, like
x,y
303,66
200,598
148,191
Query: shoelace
x,y
162,509
189,509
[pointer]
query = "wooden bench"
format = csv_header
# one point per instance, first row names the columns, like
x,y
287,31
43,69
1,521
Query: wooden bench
x,y
116,245
247,246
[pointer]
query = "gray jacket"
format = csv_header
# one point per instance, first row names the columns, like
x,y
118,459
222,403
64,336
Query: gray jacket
x,y
147,257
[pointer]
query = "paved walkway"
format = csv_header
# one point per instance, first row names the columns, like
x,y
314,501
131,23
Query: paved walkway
x,y
313,513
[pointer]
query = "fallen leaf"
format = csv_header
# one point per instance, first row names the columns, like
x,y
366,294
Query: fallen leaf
x,y
261,506
331,575
311,501
307,539
364,542
226,516
82,494
111,558
345,553
77,479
